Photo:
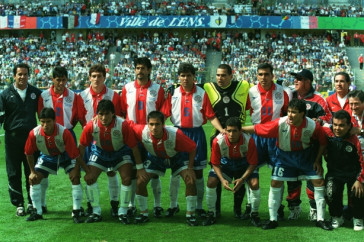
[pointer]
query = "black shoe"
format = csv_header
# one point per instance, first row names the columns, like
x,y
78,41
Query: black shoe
x,y
76,216
325,225
89,210
191,221
200,213
255,220
218,214
172,211
131,211
20,211
140,219
123,218
82,212
248,210
114,208
281,212
270,225
30,209
210,219
158,212
44,209
93,218
237,214
34,216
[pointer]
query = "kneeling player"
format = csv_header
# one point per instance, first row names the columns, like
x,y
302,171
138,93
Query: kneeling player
x,y
165,148
110,151
233,156
344,165
58,148
297,157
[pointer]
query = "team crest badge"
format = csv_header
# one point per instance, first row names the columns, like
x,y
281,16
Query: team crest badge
x,y
169,143
153,93
278,96
348,148
33,96
308,106
68,99
307,133
116,133
218,21
226,99
198,98
59,143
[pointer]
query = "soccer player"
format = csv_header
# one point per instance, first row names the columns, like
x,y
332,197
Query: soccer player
x,y
18,106
112,141
339,100
189,108
89,99
138,98
233,156
344,166
58,149
317,110
267,101
166,148
64,102
297,157
356,104
228,99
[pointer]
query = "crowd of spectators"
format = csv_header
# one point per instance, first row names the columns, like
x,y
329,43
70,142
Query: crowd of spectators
x,y
180,7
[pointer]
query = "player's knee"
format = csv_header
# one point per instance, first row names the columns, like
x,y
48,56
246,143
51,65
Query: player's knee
x,y
199,174
254,183
212,182
276,184
126,180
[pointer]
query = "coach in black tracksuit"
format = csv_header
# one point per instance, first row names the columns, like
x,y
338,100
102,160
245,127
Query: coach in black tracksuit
x,y
18,106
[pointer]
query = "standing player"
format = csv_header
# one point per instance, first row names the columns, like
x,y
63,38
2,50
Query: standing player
x,y
228,99
64,102
267,101
297,157
58,149
18,106
344,165
89,99
317,110
112,139
339,100
189,108
233,156
139,98
164,147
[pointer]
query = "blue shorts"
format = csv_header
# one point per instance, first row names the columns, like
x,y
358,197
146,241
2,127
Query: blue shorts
x,y
267,150
233,169
110,161
50,164
197,135
158,166
295,165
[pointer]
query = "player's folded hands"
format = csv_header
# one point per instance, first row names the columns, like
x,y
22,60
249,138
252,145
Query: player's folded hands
x,y
226,185
237,184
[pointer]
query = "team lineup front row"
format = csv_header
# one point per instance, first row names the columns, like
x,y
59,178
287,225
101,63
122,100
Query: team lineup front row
x,y
142,147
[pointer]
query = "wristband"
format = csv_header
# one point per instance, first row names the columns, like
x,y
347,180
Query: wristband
x,y
139,166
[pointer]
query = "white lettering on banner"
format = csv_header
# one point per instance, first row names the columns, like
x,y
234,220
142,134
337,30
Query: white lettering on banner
x,y
186,22
132,22
158,22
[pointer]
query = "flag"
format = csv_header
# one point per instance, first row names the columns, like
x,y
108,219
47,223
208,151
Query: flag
x,y
16,22
95,18
69,22
285,17
3,22
218,21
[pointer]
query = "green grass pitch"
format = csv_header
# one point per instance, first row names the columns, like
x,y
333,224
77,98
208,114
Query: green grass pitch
x,y
58,225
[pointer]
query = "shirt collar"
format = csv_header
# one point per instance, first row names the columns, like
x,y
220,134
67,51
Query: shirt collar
x,y
144,86
93,93
65,92
183,92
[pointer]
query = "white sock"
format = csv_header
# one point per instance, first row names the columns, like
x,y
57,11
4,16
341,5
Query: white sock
x,y
282,192
114,187
35,194
133,189
200,188
87,194
320,202
247,194
174,184
94,193
44,187
273,202
211,199
125,194
191,204
255,199
157,191
77,196
142,203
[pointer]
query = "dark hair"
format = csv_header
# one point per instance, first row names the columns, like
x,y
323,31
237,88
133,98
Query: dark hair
x,y
156,114
342,114
226,67
47,113
265,66
21,65
186,68
346,75
357,93
142,61
97,68
60,71
234,122
105,106
298,104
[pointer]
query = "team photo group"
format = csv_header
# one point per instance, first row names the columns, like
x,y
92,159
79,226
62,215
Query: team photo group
x,y
136,135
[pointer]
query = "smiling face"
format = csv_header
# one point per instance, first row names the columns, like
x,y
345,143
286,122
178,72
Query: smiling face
x,y
356,106
340,127
21,78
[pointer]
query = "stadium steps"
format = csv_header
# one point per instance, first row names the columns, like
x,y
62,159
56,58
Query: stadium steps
x,y
213,60
353,55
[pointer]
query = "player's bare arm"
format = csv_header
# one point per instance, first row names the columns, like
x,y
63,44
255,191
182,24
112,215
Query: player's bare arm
x,y
239,182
